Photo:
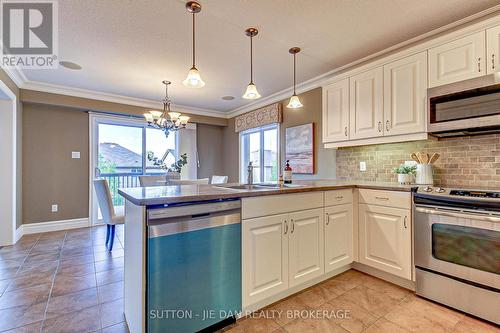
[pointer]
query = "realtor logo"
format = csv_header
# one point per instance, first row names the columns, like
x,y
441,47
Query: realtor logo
x,y
29,33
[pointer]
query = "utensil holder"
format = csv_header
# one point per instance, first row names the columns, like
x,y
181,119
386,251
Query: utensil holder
x,y
424,174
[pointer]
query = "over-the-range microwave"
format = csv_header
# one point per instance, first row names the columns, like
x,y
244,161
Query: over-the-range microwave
x,y
467,107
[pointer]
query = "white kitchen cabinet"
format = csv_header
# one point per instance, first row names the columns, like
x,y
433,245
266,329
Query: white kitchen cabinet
x,y
336,111
385,239
264,257
338,236
306,249
493,49
405,87
366,104
458,60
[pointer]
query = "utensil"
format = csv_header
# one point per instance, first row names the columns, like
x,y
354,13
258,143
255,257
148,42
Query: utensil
x,y
434,158
415,157
423,157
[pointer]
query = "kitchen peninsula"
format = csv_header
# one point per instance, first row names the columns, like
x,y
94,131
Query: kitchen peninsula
x,y
244,247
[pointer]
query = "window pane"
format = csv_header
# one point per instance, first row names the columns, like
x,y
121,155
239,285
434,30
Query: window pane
x,y
271,155
160,147
120,149
255,155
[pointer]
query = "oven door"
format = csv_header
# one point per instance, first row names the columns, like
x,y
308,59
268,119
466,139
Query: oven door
x,y
458,243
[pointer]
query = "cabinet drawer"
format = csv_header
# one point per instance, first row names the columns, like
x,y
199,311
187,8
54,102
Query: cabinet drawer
x,y
279,204
338,197
385,198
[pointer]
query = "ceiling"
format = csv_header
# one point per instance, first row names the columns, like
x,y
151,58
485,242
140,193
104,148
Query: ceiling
x,y
127,47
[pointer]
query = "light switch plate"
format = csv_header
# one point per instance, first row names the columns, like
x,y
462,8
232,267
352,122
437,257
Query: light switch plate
x,y
75,154
362,166
55,208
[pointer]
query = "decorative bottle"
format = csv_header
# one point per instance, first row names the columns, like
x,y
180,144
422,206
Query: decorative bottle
x,y
287,174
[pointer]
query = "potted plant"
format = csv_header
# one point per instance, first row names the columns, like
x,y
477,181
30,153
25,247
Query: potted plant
x,y
173,170
405,173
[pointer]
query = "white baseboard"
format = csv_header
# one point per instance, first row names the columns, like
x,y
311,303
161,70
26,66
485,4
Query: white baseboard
x,y
35,228
18,234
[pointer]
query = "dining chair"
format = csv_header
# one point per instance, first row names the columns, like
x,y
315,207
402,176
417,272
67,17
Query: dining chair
x,y
219,179
148,181
201,181
107,211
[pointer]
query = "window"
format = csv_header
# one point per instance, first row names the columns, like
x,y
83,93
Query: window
x,y
260,146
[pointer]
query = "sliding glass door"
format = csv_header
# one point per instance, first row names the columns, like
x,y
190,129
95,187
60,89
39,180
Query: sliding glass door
x,y
122,150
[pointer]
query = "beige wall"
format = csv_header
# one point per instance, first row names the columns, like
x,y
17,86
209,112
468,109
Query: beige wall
x,y
464,161
50,175
310,112
210,150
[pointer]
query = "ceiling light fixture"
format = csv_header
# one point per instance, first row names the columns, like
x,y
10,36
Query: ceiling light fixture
x,y
294,100
167,121
251,92
193,79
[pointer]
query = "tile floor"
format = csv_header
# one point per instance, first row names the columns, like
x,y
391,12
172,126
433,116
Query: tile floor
x,y
68,282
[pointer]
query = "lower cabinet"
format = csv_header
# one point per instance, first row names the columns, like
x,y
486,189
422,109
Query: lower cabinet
x,y
305,246
385,239
338,236
279,252
264,257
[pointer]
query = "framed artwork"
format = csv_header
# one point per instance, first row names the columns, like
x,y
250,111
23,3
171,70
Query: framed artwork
x,y
299,148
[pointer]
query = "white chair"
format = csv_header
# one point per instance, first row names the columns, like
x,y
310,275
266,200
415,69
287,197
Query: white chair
x,y
107,210
219,179
201,181
148,181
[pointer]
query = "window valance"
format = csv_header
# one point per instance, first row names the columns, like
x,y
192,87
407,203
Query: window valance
x,y
267,115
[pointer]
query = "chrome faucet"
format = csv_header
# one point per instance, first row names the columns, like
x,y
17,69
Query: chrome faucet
x,y
250,173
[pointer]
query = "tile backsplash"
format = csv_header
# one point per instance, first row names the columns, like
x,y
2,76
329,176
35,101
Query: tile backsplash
x,y
465,161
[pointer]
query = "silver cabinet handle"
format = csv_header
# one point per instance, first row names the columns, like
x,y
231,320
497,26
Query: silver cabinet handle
x,y
493,61
340,197
286,228
327,219
404,222
345,131
293,226
382,198
479,64
387,125
380,126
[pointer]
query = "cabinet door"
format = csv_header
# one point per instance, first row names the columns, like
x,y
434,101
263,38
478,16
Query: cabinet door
x,y
493,49
366,104
385,239
405,87
306,251
264,257
338,236
458,60
336,111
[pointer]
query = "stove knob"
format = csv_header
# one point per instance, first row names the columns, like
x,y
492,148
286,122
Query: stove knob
x,y
427,189
440,190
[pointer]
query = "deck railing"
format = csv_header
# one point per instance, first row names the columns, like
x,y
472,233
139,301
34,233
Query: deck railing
x,y
121,180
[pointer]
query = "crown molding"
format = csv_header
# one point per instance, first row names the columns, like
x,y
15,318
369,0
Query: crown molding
x,y
16,75
114,98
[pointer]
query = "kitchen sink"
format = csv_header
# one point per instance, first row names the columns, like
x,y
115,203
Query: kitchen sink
x,y
256,187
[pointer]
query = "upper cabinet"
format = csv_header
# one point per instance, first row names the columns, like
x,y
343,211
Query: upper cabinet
x,y
457,60
405,86
366,104
336,111
493,50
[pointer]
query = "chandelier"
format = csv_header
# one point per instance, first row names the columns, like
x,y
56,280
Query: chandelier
x,y
166,120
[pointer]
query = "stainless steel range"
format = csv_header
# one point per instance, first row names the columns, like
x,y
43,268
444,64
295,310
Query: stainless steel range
x,y
457,249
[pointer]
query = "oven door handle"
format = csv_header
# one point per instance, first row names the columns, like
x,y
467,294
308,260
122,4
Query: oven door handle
x,y
484,217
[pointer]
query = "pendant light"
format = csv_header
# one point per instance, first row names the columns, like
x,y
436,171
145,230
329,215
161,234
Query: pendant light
x,y
251,92
193,79
294,100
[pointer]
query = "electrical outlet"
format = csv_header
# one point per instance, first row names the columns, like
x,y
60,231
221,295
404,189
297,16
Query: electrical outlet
x,y
362,166
75,154
55,208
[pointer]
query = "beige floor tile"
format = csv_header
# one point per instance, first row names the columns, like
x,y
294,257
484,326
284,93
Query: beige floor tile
x,y
86,320
286,309
21,316
116,253
109,264
67,303
348,315
76,270
119,328
31,328
376,302
313,326
385,326
390,289
27,296
316,296
469,324
111,276
112,313
70,284
254,325
110,292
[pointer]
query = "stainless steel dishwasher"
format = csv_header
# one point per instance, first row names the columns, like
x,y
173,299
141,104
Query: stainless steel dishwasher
x,y
193,266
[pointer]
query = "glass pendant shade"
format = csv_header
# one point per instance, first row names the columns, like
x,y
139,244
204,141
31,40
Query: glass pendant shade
x,y
193,79
251,92
294,102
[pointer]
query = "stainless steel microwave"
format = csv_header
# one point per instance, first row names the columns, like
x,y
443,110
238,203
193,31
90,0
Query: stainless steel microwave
x,y
467,107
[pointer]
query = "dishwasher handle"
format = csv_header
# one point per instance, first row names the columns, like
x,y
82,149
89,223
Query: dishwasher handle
x,y
194,209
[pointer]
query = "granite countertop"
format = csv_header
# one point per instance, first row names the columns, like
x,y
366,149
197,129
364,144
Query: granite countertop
x,y
159,195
